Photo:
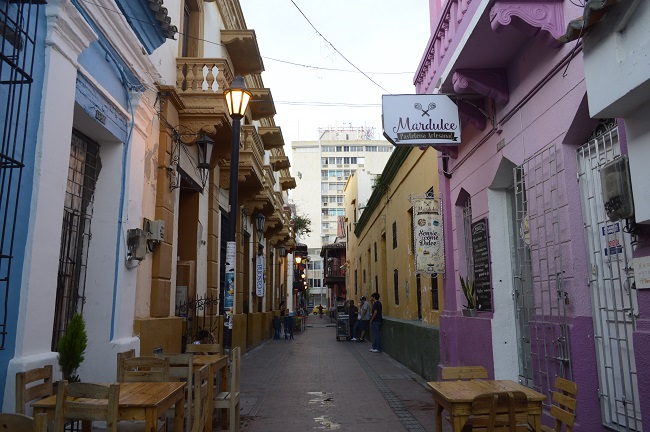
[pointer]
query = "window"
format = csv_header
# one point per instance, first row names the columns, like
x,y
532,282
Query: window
x,y
364,276
434,292
375,251
394,235
376,284
356,282
396,285
339,148
323,161
323,174
353,160
339,160
371,149
331,161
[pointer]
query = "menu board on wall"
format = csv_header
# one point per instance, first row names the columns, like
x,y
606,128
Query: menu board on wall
x,y
481,257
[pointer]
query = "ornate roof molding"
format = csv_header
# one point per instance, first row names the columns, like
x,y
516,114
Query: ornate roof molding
x,y
543,19
487,82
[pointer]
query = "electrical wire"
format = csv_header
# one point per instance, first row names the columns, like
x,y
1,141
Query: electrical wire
x,y
264,57
335,49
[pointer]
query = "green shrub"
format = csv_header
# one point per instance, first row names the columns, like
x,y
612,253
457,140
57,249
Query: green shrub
x,y
71,348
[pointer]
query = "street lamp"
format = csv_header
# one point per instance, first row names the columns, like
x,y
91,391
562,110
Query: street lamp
x,y
237,98
259,223
282,250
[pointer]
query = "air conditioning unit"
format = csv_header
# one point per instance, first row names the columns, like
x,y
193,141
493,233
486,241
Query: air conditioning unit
x,y
616,189
325,204
340,204
339,178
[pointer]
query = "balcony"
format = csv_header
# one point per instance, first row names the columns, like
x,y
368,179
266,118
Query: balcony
x,y
251,164
243,51
474,43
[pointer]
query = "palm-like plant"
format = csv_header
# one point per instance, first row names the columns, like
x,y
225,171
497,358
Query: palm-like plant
x,y
468,289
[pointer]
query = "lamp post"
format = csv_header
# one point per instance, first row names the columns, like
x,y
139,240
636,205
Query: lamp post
x,y
237,98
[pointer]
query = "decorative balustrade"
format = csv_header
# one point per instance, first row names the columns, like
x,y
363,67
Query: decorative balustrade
x,y
200,75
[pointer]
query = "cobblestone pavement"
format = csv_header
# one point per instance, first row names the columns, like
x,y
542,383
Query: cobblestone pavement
x,y
314,383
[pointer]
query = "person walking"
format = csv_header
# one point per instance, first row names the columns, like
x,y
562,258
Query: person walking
x,y
375,323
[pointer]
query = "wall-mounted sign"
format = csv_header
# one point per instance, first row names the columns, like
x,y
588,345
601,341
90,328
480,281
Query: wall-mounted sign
x,y
259,276
481,257
420,120
428,244
642,272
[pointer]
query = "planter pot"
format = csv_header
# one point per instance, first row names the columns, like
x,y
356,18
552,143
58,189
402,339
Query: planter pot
x,y
469,312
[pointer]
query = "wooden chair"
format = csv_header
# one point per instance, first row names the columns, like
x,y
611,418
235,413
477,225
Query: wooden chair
x,y
23,423
182,369
230,399
464,373
201,402
142,369
203,349
565,410
32,385
503,411
99,403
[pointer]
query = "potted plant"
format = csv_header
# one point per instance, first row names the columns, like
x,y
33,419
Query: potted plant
x,y
71,348
467,285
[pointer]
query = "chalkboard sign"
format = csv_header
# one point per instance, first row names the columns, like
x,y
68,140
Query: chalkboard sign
x,y
481,256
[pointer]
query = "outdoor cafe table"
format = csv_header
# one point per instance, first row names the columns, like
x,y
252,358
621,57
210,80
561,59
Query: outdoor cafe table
x,y
138,401
456,397
216,362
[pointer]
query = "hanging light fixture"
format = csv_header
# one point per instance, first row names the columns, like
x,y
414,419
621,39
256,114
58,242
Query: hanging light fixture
x,y
259,223
205,146
282,250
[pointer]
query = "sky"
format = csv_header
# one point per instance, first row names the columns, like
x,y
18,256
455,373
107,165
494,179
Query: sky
x,y
383,38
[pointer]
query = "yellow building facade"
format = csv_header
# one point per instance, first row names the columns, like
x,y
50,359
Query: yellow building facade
x,y
380,256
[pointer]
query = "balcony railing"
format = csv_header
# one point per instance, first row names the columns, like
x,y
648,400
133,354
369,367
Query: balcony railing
x,y
198,75
451,26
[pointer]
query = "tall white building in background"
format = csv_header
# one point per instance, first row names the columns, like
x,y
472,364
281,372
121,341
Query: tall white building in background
x,y
321,169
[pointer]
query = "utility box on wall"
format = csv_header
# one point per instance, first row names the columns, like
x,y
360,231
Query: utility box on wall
x,y
136,240
616,189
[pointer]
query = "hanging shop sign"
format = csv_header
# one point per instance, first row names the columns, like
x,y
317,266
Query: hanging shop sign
x,y
420,120
428,241
259,276
481,259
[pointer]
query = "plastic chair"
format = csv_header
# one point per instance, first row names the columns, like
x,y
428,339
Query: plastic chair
x,y
32,385
498,411
564,409
230,400
69,407
23,423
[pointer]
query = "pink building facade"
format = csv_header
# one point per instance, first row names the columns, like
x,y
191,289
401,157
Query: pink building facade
x,y
557,290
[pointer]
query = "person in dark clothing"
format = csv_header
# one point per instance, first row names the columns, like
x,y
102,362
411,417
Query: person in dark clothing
x,y
353,311
276,327
375,323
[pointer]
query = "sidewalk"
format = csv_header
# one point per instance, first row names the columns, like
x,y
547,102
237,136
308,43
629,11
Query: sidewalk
x,y
316,383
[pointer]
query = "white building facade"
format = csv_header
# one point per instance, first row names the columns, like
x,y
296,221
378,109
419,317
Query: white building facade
x,y
321,169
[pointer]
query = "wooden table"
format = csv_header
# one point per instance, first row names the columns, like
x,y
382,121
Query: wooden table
x,y
456,397
216,362
138,401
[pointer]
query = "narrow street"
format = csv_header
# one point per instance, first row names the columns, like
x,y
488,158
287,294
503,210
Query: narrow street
x,y
314,383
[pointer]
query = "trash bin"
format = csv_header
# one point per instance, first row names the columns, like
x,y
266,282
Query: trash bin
x,y
342,326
